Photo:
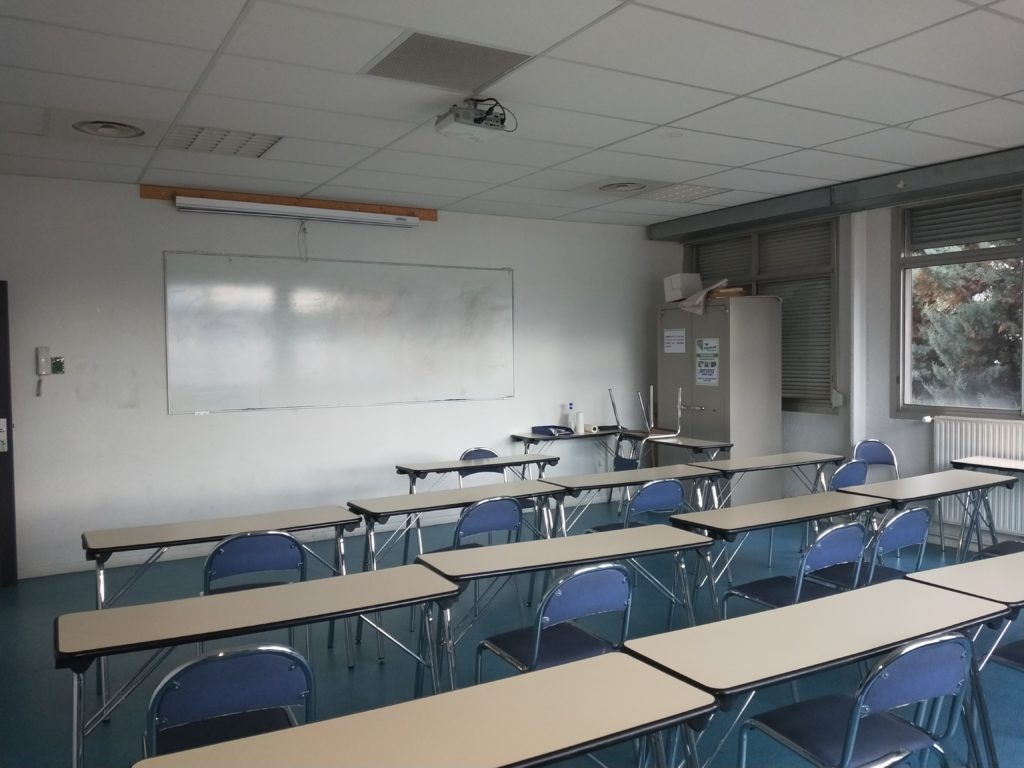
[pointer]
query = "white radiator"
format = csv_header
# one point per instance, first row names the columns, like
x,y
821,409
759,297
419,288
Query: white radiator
x,y
959,438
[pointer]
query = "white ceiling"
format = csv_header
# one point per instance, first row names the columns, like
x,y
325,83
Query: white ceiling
x,y
756,99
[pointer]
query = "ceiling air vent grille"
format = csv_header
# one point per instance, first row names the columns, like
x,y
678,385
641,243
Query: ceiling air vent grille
x,y
217,141
457,66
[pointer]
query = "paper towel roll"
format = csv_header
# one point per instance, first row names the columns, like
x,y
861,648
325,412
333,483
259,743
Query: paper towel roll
x,y
590,428
578,425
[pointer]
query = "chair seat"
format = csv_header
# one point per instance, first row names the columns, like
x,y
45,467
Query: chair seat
x,y
223,728
841,575
818,727
1011,654
777,591
562,643
243,587
614,527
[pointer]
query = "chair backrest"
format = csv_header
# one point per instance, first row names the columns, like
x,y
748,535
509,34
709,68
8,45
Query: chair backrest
x,y
665,496
494,515
906,528
257,552
585,592
852,472
839,544
228,682
925,670
876,453
479,453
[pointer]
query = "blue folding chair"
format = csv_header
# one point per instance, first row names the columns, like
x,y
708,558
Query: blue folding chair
x,y
899,531
843,543
228,695
861,730
557,636
875,453
255,559
656,499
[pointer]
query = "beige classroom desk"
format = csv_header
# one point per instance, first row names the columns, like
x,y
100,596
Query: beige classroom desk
x,y
462,566
520,462
694,445
80,638
413,505
526,720
970,488
727,523
798,462
576,485
739,655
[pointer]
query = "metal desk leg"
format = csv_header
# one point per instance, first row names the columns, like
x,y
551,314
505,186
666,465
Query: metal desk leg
x,y
77,721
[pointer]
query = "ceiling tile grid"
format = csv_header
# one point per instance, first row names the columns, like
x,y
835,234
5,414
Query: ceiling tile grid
x,y
753,99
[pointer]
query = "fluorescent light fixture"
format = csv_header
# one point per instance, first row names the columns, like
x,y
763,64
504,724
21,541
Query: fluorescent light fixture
x,y
242,208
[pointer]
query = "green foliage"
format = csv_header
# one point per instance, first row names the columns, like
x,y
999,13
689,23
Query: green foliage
x,y
966,334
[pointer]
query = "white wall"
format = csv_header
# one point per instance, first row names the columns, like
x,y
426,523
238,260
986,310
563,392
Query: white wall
x,y
84,262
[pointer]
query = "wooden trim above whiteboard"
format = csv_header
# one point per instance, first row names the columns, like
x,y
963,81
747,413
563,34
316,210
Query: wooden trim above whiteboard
x,y
151,192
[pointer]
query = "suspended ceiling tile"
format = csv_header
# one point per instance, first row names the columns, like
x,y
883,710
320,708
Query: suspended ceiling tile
x,y
909,147
408,183
16,118
565,127
199,180
318,125
312,38
625,165
868,93
524,196
558,180
193,23
811,162
498,148
604,216
568,85
495,208
1014,8
228,165
765,121
983,51
682,144
67,169
80,94
761,181
65,51
45,147
734,197
523,25
999,123
841,28
656,44
414,163
285,84
655,207
321,152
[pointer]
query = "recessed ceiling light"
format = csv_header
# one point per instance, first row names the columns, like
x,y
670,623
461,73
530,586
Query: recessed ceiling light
x,y
108,129
681,193
623,186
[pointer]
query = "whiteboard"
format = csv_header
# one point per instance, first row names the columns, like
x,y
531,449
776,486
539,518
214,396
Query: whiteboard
x,y
254,332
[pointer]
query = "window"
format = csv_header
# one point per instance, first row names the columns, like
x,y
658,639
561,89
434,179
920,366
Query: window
x,y
796,264
961,290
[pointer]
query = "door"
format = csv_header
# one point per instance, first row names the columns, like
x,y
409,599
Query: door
x,y
8,533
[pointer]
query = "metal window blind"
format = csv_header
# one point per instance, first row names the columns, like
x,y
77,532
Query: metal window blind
x,y
972,220
796,264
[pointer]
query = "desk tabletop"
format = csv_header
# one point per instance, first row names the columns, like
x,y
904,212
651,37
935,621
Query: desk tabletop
x,y
536,437
988,462
592,703
199,531
422,469
934,485
564,551
411,503
85,635
574,484
727,522
770,461
670,438
747,652
993,578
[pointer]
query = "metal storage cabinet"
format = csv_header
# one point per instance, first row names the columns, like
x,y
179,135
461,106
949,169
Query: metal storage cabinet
x,y
728,362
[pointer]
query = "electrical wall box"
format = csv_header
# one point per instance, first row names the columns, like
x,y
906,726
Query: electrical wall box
x,y
469,122
46,365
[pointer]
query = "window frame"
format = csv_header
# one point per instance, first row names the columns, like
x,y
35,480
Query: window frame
x,y
754,279
901,266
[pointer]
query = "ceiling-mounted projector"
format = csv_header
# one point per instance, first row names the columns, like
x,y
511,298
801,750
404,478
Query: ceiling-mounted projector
x,y
472,120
